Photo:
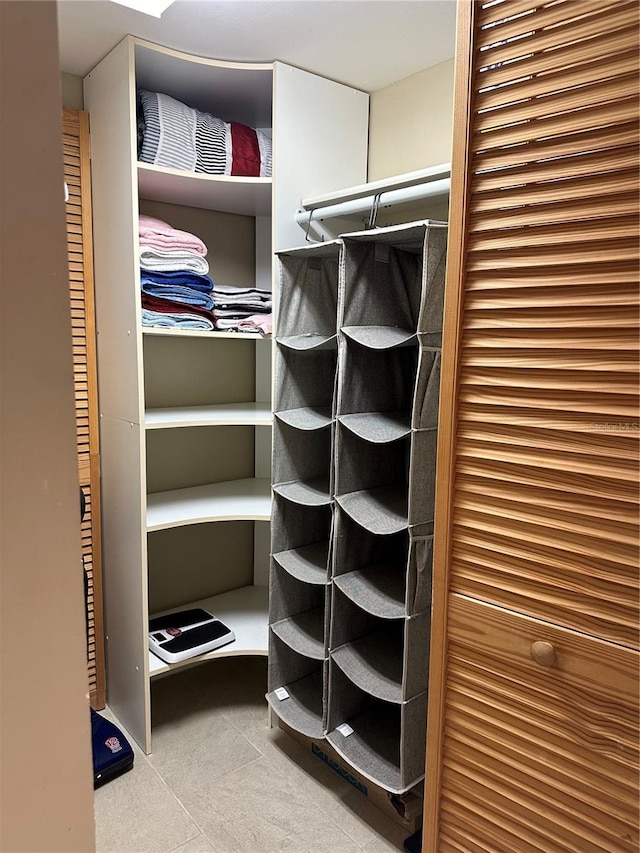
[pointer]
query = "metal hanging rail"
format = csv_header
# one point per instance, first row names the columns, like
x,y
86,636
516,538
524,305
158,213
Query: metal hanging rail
x,y
367,198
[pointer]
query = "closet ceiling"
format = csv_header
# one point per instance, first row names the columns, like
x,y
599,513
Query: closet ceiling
x,y
363,43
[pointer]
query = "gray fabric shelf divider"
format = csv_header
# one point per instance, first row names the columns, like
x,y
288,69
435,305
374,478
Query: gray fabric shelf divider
x,y
377,589
307,418
377,427
357,350
308,563
304,632
313,492
374,664
309,341
380,337
382,510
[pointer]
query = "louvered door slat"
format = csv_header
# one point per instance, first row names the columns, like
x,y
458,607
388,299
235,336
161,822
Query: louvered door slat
x,y
532,150
573,166
565,80
554,102
572,54
544,15
537,509
616,16
80,265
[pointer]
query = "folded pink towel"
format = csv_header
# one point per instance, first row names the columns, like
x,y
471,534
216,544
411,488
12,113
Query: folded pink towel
x,y
256,323
160,235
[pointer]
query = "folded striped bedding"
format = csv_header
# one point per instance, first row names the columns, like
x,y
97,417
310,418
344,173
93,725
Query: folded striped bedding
x,y
172,134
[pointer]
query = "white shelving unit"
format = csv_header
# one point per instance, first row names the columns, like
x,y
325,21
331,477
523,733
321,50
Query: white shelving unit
x,y
186,416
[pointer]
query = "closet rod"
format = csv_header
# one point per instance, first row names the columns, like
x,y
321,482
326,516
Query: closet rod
x,y
364,204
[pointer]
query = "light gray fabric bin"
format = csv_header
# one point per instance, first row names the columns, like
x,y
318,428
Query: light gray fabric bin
x,y
376,381
381,281
305,378
290,596
300,454
304,680
362,465
387,741
386,658
309,290
370,569
300,539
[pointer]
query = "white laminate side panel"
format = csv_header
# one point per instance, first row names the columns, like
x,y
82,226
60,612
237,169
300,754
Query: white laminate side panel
x,y
125,575
109,94
320,134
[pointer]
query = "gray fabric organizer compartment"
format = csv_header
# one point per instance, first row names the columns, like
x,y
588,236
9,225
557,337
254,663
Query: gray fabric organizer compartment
x,y
357,377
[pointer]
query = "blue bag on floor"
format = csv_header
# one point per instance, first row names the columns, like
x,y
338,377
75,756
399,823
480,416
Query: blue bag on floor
x,y
112,753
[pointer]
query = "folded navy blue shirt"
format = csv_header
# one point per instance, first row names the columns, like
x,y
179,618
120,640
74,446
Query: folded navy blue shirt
x,y
181,278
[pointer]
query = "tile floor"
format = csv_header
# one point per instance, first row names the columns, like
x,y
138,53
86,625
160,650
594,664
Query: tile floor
x,y
220,780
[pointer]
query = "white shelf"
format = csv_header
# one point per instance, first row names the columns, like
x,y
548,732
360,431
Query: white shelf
x,y
236,500
228,414
245,611
196,333
226,193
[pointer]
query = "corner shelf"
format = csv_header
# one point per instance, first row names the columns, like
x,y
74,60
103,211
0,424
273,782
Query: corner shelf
x,y
245,610
237,500
228,414
200,333
225,193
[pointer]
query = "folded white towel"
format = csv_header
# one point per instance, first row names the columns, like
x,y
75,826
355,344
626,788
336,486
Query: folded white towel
x,y
172,260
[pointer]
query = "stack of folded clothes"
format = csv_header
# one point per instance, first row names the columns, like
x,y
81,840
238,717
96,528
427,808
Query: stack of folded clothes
x,y
242,309
176,290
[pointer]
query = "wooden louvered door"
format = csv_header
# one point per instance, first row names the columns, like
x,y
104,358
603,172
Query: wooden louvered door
x,y
533,700
80,252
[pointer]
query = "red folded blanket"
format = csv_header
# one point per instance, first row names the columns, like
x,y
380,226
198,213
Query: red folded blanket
x,y
166,306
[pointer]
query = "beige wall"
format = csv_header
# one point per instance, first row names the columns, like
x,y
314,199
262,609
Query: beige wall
x,y
72,95
46,794
410,123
